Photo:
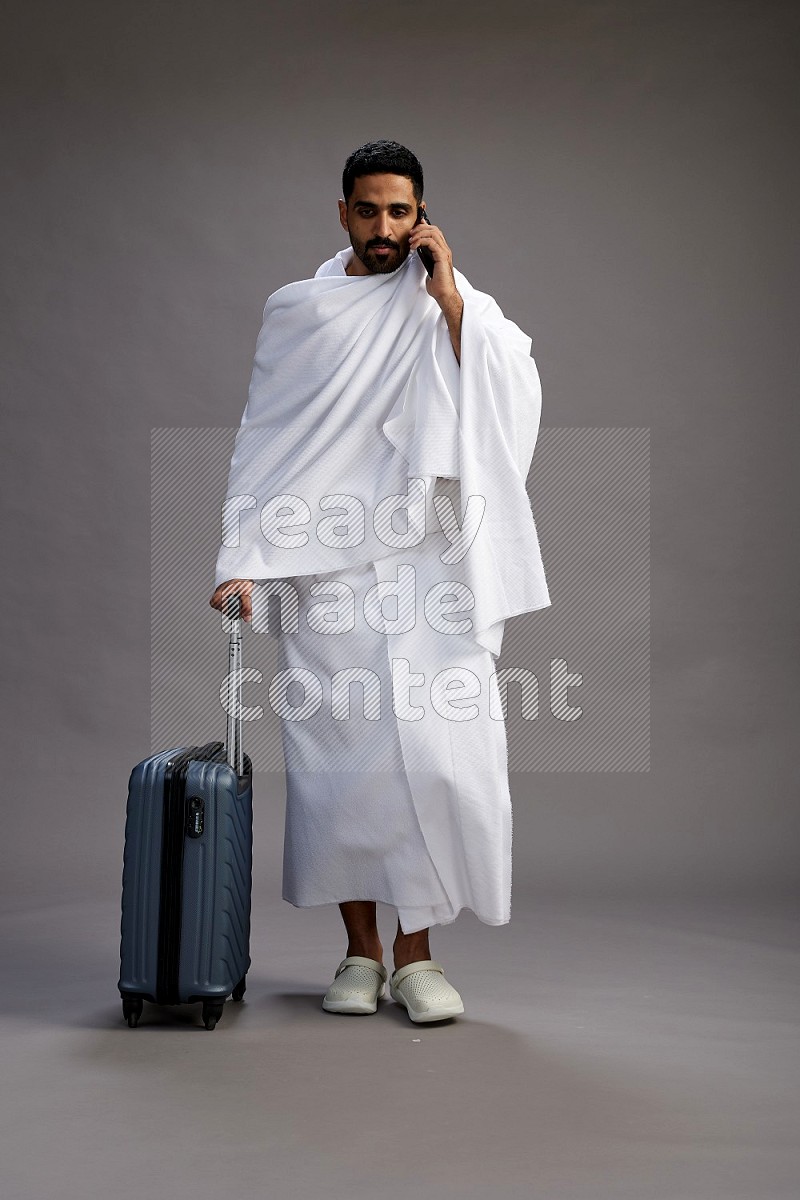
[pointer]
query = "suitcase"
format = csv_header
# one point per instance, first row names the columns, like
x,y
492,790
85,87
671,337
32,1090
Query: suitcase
x,y
188,868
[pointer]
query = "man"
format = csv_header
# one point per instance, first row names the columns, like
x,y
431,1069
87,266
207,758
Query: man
x,y
378,388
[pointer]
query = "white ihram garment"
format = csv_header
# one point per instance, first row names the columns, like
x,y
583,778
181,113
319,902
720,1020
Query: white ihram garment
x,y
356,393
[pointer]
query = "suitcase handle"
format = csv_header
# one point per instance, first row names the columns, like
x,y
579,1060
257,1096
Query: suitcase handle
x,y
234,749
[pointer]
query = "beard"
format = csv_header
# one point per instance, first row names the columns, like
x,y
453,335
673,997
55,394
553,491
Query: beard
x,y
375,264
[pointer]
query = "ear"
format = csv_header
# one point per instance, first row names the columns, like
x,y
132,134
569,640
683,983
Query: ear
x,y
343,216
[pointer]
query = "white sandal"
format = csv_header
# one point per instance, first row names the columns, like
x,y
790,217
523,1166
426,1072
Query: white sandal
x,y
423,990
357,985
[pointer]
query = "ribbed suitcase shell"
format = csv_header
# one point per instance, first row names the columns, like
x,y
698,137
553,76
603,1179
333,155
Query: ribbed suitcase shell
x,y
215,888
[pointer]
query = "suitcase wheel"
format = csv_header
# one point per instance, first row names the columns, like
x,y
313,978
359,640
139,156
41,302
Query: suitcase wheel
x,y
240,989
212,1011
132,1010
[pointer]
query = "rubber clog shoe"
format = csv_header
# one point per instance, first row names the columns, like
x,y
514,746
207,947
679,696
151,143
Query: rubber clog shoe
x,y
423,990
356,987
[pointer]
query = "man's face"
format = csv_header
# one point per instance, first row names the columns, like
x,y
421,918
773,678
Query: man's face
x,y
379,216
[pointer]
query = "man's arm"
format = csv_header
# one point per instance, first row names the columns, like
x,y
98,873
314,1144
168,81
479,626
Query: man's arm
x,y
442,285
453,310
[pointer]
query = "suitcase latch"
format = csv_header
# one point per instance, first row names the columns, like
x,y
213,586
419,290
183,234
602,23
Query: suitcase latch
x,y
195,816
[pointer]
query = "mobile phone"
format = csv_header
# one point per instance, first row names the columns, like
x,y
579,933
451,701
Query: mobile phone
x,y
423,251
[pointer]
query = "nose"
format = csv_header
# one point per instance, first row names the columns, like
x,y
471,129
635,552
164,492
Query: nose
x,y
384,229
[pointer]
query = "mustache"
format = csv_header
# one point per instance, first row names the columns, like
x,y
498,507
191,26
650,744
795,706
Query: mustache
x,y
388,245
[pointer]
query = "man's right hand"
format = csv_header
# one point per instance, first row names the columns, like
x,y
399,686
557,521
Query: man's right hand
x,y
234,587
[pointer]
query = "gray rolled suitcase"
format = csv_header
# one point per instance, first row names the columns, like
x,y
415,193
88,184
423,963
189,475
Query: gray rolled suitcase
x,y
188,868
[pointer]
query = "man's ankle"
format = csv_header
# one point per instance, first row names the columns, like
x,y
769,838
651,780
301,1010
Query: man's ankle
x,y
373,950
403,955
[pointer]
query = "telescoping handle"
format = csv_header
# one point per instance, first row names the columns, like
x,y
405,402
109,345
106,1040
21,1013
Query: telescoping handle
x,y
234,750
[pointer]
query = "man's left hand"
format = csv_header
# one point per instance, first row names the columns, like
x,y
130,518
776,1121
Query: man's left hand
x,y
442,285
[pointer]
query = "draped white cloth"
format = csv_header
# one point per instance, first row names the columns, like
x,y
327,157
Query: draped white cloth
x,y
358,406
356,390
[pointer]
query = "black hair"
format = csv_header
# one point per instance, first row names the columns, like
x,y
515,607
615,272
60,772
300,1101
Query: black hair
x,y
382,158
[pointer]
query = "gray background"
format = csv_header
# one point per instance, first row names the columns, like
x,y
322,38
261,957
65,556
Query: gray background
x,y
621,177
618,176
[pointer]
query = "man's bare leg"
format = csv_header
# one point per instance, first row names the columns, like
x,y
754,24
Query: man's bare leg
x,y
410,947
360,921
